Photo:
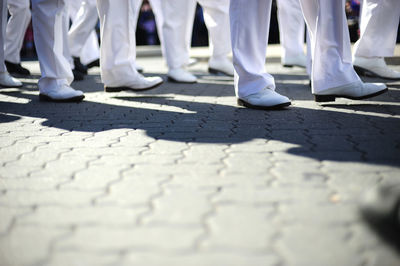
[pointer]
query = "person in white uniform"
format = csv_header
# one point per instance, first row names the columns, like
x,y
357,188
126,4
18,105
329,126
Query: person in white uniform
x,y
378,32
15,33
291,33
50,25
6,80
332,73
82,38
118,20
178,18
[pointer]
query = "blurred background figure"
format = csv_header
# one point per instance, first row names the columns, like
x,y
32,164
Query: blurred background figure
x,y
378,31
82,37
291,33
177,28
6,80
20,17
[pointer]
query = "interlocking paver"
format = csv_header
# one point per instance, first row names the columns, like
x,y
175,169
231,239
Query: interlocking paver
x,y
180,175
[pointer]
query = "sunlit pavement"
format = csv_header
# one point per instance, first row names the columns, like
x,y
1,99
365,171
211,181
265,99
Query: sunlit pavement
x,y
180,175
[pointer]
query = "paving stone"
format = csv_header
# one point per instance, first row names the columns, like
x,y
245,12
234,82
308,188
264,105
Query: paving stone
x,y
28,245
102,239
180,175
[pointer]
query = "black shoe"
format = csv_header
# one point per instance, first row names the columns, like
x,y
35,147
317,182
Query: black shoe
x,y
16,69
78,75
79,66
95,63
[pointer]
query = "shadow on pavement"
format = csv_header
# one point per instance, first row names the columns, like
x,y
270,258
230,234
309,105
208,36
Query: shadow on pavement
x,y
319,134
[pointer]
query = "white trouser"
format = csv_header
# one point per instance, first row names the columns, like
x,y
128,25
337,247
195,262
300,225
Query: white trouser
x,y
158,15
178,18
16,28
291,28
3,23
330,44
50,25
82,38
378,28
118,20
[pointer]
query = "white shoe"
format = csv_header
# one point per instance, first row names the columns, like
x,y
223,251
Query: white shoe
x,y
181,76
7,81
300,61
63,93
266,99
192,61
354,91
374,67
140,84
221,66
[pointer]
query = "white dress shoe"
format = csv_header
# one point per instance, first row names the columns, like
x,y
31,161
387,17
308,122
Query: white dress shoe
x,y
300,61
354,91
265,99
63,93
140,84
7,81
374,67
180,75
221,66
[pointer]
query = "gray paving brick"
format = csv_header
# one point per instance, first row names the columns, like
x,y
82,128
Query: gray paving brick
x,y
180,175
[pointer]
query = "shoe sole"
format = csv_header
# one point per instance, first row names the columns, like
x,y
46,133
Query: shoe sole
x,y
8,87
332,97
240,102
45,98
368,73
290,66
124,88
176,81
218,72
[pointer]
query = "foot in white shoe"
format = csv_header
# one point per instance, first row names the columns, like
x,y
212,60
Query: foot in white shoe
x,y
354,91
141,83
299,60
221,66
266,99
63,93
7,81
180,75
374,67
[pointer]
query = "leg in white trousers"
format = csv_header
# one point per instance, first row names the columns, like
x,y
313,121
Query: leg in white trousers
x,y
50,24
216,17
378,28
3,23
5,79
178,18
291,28
82,38
176,31
83,14
330,45
16,28
118,20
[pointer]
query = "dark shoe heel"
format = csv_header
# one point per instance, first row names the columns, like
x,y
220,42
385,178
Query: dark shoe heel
x,y
240,102
324,98
113,89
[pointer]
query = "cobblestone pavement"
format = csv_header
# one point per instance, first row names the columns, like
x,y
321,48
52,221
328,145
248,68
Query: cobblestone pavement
x,y
180,175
